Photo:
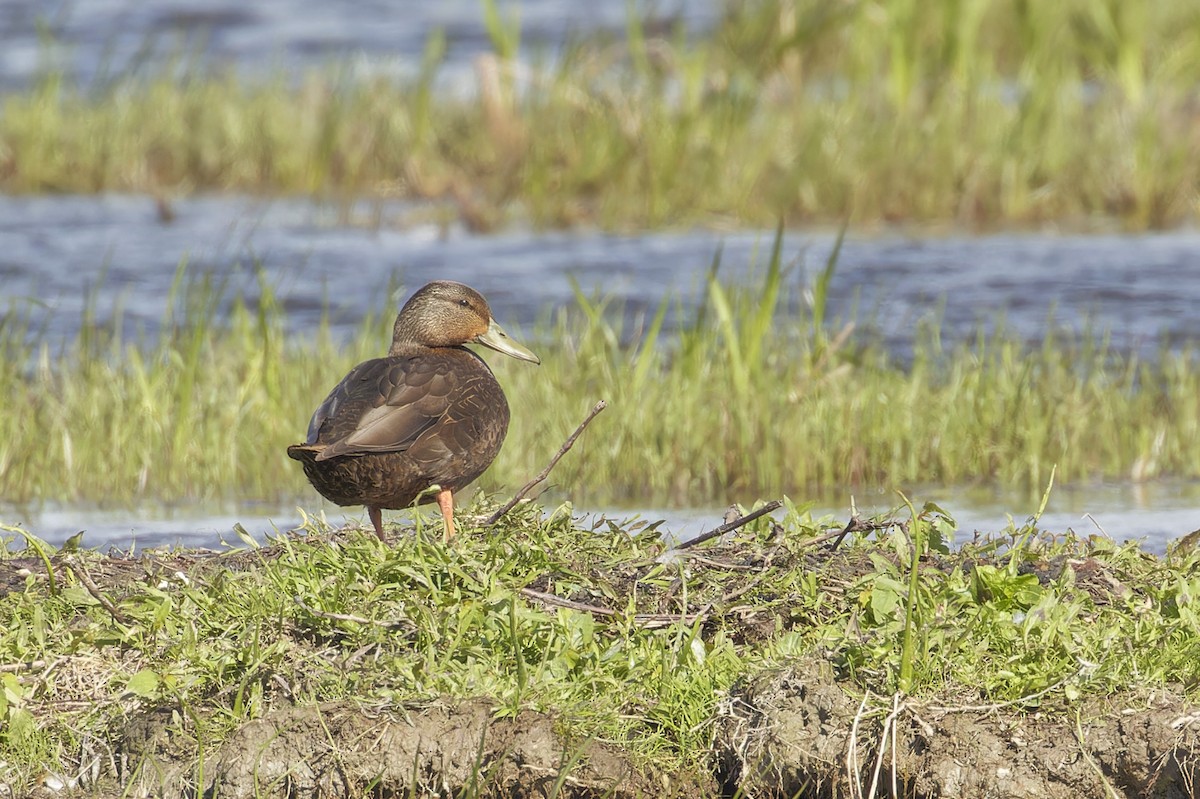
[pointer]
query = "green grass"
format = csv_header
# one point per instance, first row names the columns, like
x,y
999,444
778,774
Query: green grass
x,y
747,400
965,113
1022,616
209,647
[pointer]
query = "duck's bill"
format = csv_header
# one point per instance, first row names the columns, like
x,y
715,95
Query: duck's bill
x,y
497,339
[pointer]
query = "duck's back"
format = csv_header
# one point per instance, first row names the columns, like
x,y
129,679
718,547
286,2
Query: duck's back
x,y
432,416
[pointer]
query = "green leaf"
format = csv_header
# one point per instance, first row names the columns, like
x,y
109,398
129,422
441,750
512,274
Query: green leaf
x,y
12,690
244,535
885,596
1005,590
144,684
698,651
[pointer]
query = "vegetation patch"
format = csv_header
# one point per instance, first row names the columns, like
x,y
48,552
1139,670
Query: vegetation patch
x,y
755,393
563,655
993,113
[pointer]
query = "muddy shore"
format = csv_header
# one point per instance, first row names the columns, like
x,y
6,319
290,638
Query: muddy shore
x,y
801,727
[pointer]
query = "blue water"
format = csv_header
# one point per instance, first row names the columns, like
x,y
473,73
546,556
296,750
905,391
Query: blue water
x,y
114,254
1151,513
58,254
94,41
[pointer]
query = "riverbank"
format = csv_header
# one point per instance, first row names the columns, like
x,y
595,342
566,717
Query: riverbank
x,y
588,662
1068,114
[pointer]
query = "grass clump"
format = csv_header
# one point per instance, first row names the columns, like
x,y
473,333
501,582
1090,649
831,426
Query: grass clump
x,y
546,613
988,113
755,394
327,616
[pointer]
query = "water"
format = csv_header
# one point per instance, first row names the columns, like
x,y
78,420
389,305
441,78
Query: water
x,y
93,41
57,254
1152,513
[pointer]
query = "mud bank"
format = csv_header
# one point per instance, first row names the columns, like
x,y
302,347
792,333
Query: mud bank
x,y
303,669
337,750
792,732
798,732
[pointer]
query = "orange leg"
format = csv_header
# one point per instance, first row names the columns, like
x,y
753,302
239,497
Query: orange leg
x,y
445,501
376,515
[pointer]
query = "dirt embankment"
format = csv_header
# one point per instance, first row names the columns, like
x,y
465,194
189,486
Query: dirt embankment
x,y
795,731
335,750
798,732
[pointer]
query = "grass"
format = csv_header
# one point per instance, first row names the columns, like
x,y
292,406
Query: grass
x,y
208,648
1022,616
755,395
977,113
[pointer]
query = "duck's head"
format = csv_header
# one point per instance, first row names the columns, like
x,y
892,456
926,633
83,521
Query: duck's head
x,y
448,314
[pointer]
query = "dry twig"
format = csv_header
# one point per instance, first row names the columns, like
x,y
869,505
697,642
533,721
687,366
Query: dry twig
x,y
647,620
77,569
992,707
387,625
770,507
570,442
857,525
553,599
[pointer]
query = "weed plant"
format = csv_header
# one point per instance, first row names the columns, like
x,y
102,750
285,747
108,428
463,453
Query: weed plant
x,y
754,395
321,615
976,113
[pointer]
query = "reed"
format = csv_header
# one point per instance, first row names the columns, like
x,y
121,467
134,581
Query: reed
x,y
753,396
968,113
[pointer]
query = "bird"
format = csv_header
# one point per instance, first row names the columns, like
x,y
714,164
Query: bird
x,y
423,421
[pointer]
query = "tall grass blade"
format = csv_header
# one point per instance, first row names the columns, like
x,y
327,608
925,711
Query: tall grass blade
x,y
645,356
908,647
504,34
731,336
762,316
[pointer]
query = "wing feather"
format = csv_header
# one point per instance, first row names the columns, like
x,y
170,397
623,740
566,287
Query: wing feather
x,y
383,405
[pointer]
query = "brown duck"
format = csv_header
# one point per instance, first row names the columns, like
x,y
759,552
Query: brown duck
x,y
429,414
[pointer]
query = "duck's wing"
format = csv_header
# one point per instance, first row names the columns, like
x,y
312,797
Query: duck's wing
x,y
383,405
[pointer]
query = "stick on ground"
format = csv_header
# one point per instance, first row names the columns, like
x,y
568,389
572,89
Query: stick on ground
x,y
773,505
80,572
386,624
570,442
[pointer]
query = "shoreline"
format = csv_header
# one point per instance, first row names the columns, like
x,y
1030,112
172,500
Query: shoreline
x,y
763,660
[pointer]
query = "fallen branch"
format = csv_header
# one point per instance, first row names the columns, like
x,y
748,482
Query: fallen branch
x,y
648,620
570,442
106,603
855,525
324,614
771,506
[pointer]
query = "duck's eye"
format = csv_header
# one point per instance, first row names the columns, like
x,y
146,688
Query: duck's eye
x,y
465,303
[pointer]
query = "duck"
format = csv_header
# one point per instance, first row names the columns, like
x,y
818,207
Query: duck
x,y
420,423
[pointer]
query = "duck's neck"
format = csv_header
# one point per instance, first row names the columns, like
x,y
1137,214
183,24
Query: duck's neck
x,y
410,331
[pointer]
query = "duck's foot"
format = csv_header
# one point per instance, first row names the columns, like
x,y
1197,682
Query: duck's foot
x,y
445,501
376,515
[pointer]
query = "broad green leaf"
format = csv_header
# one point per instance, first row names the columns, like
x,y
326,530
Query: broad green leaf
x,y
144,684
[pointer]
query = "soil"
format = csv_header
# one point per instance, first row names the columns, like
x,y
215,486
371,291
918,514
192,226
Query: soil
x,y
799,732
336,750
796,731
